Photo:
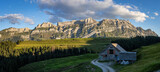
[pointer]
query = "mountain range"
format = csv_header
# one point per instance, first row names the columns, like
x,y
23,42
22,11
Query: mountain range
x,y
87,28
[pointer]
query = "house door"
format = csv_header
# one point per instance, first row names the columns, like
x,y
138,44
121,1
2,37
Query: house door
x,y
116,57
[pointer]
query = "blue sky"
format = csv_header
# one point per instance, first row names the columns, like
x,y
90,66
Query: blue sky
x,y
44,11
21,7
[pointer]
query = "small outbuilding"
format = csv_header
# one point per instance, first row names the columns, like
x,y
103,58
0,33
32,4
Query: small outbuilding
x,y
116,53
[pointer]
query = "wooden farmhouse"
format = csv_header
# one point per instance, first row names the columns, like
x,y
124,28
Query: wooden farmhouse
x,y
116,53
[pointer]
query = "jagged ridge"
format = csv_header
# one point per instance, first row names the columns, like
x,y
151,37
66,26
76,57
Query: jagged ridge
x,y
78,29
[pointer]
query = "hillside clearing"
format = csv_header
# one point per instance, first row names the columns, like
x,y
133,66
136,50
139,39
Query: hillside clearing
x,y
95,44
79,63
148,60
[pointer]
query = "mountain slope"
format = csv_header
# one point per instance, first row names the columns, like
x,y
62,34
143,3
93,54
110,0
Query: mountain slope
x,y
149,60
86,28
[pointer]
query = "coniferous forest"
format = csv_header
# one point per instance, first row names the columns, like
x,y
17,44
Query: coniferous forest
x,y
136,42
11,59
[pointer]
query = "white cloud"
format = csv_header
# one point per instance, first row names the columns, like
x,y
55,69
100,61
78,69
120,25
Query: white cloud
x,y
28,20
80,9
15,18
156,14
129,7
152,17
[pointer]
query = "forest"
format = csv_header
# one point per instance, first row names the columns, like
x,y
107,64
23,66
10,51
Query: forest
x,y
11,59
136,42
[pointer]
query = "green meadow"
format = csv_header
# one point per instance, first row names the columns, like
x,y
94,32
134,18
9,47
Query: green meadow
x,y
95,44
81,63
148,60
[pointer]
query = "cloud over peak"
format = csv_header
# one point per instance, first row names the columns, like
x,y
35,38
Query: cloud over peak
x,y
80,9
15,18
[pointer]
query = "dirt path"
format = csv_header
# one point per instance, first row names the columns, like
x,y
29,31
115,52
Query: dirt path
x,y
103,66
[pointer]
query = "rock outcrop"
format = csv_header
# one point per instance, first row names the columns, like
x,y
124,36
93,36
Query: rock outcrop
x,y
89,20
19,30
25,36
66,23
73,22
45,25
80,29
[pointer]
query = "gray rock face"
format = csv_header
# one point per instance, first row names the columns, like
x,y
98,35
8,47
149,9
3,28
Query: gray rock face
x,y
45,25
25,36
82,29
20,30
66,23
73,22
91,28
89,20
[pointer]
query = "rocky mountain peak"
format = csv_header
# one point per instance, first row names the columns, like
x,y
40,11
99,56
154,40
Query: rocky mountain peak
x,y
116,21
26,29
84,21
45,25
120,24
140,29
89,20
148,30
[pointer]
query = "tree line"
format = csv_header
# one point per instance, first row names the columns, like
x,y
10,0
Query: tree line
x,y
11,59
136,42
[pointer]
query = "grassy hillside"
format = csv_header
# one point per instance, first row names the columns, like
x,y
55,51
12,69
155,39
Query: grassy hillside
x,y
68,64
96,44
149,60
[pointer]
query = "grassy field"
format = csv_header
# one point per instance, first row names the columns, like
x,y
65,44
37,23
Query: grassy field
x,y
67,64
148,57
96,44
148,60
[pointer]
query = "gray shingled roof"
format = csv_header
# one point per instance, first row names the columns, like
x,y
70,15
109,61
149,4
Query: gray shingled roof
x,y
115,45
127,56
118,47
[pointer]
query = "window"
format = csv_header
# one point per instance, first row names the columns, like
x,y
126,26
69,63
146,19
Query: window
x,y
116,56
110,51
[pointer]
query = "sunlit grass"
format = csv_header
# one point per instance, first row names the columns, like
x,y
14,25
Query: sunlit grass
x,y
96,44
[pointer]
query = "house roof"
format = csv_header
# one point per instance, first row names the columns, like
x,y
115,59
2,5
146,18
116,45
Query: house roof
x,y
127,56
118,47
115,45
